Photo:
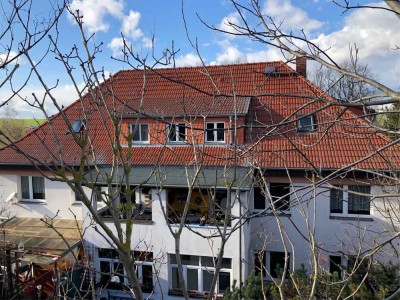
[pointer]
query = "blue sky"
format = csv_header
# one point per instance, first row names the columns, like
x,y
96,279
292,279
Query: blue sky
x,y
374,31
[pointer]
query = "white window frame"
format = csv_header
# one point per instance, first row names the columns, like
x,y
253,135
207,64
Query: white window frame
x,y
200,268
176,127
138,266
267,204
345,204
215,132
139,132
308,128
30,189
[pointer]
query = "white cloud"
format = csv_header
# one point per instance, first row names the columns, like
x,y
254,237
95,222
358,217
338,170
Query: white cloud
x,y
130,25
6,57
188,60
372,31
233,18
94,13
116,45
147,43
291,17
229,55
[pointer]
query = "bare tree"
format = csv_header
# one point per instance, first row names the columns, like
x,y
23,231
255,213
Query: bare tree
x,y
81,166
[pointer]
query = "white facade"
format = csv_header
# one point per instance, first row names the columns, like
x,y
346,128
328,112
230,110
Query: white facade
x,y
309,211
59,198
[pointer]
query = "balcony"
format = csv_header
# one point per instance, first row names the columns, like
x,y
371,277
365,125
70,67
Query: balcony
x,y
141,207
206,208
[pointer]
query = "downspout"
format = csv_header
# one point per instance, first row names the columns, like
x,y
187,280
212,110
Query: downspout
x,y
230,130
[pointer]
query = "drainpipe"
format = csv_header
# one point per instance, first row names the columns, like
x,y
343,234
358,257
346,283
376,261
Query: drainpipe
x,y
230,130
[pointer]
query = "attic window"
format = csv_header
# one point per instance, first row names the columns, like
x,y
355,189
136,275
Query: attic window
x,y
78,126
305,123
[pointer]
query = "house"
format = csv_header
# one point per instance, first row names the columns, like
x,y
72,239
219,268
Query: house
x,y
274,161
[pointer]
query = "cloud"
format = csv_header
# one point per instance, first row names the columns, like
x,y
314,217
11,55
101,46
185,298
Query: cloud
x,y
188,60
130,24
94,13
116,45
6,57
233,18
373,33
291,17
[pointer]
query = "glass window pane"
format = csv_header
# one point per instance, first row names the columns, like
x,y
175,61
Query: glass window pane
x,y
192,279
336,199
119,271
277,264
335,265
220,132
171,132
144,132
105,272
226,263
207,261
210,132
280,195
135,133
175,278
190,260
224,281
259,198
172,258
207,280
25,187
182,132
359,204
147,278
38,187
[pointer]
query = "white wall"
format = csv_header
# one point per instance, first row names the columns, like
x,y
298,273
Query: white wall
x,y
332,234
158,239
59,198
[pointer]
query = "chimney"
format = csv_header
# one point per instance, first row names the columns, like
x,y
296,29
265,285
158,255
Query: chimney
x,y
301,64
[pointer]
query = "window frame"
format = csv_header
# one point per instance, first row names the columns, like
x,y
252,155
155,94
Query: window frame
x,y
139,133
31,190
114,261
175,129
267,273
305,128
215,130
334,266
268,196
348,200
200,267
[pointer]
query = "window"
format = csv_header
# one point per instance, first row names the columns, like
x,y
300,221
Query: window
x,y
32,188
140,133
278,196
198,272
110,267
335,265
350,200
271,263
277,264
176,132
215,132
207,206
305,123
78,126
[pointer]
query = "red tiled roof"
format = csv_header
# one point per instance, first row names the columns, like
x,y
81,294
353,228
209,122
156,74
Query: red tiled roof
x,y
272,102
202,106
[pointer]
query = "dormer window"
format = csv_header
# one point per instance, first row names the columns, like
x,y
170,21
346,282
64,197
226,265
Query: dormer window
x,y
176,132
306,123
215,132
140,133
78,126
